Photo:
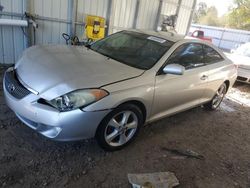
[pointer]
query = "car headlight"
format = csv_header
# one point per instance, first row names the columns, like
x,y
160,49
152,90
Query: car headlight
x,y
77,99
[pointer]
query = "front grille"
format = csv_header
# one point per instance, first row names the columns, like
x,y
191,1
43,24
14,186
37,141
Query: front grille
x,y
14,87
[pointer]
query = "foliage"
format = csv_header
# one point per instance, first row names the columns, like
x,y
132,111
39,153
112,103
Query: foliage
x,y
239,16
211,17
200,12
206,15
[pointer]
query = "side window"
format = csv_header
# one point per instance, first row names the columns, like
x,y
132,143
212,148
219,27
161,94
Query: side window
x,y
211,56
188,55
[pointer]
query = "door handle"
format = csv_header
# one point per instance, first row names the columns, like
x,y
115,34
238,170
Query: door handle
x,y
204,77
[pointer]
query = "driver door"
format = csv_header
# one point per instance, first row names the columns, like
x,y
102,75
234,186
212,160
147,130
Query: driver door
x,y
174,93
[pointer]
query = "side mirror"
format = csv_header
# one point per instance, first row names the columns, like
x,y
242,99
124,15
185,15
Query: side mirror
x,y
174,69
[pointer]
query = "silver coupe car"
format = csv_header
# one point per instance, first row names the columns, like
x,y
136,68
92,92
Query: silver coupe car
x,y
110,89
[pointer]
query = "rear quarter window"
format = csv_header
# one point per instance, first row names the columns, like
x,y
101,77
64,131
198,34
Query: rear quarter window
x,y
189,55
211,56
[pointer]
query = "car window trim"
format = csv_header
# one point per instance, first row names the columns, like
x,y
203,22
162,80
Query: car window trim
x,y
160,71
123,62
204,54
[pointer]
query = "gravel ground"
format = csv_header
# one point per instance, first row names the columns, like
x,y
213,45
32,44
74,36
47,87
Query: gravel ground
x,y
222,137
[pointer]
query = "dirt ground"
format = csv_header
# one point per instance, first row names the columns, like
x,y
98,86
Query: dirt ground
x,y
222,137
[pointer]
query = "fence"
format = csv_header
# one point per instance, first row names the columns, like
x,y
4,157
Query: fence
x,y
224,38
67,16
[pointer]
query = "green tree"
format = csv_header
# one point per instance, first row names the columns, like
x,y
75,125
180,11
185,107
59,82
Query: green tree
x,y
223,21
239,16
206,15
211,17
200,12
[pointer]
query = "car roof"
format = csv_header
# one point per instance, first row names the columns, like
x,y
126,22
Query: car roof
x,y
171,36
175,37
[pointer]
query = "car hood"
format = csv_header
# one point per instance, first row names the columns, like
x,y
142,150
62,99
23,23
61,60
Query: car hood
x,y
53,70
240,60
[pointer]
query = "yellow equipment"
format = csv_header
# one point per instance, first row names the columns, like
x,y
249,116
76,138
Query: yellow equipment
x,y
95,27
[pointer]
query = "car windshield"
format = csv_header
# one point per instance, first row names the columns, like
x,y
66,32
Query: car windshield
x,y
243,50
134,49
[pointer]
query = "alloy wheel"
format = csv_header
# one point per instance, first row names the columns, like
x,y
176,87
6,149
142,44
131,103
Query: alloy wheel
x,y
121,128
219,96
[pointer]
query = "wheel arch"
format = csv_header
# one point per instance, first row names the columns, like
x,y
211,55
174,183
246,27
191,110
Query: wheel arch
x,y
100,128
140,105
227,82
137,103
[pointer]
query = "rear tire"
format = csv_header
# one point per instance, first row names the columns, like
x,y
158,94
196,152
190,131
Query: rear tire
x,y
217,99
119,127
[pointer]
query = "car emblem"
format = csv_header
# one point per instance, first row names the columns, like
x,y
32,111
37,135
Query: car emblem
x,y
11,88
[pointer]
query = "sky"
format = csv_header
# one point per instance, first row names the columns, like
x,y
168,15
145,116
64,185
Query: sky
x,y
221,5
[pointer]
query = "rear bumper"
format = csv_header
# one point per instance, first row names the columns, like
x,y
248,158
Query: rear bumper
x,y
61,126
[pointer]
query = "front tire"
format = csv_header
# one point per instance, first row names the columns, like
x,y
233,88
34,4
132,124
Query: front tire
x,y
217,99
120,127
